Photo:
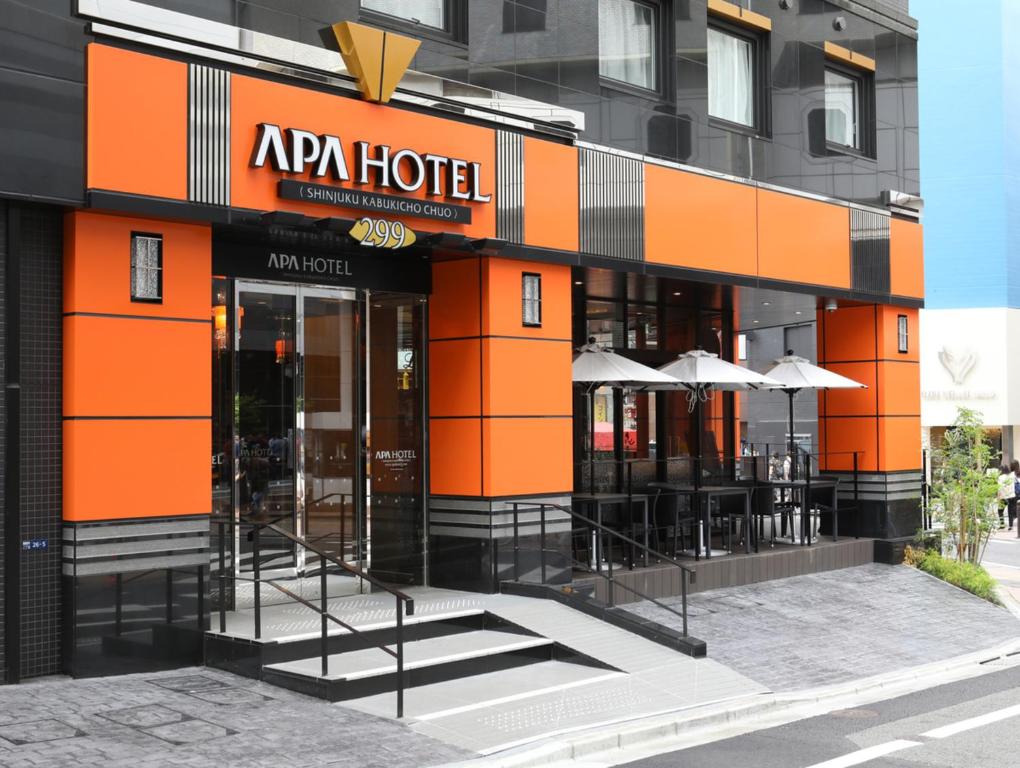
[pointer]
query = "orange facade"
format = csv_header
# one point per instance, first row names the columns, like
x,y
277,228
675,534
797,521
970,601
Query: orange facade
x,y
496,386
137,379
882,422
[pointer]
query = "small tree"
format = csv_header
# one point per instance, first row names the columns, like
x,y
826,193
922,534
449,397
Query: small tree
x,y
963,490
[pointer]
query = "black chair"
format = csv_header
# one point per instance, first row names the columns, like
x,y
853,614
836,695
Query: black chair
x,y
819,502
669,521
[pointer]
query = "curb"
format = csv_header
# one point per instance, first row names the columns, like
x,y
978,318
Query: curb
x,y
631,740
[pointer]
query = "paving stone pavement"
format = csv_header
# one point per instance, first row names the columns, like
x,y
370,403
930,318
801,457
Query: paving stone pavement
x,y
841,625
196,717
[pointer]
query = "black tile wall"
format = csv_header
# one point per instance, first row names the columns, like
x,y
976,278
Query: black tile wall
x,y
40,439
3,430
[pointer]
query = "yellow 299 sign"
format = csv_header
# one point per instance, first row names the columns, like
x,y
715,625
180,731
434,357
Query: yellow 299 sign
x,y
380,233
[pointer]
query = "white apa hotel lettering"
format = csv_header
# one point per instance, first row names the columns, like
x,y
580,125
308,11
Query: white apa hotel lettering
x,y
298,151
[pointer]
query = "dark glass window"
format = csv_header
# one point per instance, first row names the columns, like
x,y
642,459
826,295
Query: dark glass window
x,y
146,267
429,13
628,42
731,77
531,299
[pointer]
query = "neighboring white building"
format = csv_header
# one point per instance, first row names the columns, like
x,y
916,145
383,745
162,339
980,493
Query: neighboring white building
x,y
966,361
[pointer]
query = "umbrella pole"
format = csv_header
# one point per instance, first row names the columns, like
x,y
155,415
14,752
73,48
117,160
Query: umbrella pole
x,y
793,453
698,420
591,446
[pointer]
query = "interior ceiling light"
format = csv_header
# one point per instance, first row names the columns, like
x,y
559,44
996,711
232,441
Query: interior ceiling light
x,y
766,303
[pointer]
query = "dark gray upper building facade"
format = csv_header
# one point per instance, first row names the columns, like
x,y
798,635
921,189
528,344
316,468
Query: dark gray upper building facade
x,y
644,83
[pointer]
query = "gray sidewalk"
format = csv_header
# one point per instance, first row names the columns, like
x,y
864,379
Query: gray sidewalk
x,y
196,717
833,627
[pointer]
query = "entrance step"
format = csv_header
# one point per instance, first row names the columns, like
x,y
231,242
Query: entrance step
x,y
357,674
451,698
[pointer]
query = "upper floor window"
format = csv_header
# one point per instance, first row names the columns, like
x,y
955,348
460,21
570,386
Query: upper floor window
x,y
731,77
843,109
430,13
629,42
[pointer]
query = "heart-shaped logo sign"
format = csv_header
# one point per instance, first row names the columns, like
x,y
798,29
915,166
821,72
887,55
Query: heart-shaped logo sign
x,y
958,363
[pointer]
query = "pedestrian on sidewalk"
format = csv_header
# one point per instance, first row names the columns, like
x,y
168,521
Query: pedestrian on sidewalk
x,y
1006,495
1015,468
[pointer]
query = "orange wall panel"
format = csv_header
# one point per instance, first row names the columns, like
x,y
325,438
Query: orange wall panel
x,y
524,377
803,240
257,101
116,469
842,436
906,258
550,195
899,444
455,457
524,456
502,299
847,334
137,137
122,367
97,266
899,389
699,222
888,332
852,402
456,295
455,387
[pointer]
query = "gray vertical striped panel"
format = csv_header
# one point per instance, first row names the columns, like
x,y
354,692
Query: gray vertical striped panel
x,y
510,186
208,135
869,251
612,198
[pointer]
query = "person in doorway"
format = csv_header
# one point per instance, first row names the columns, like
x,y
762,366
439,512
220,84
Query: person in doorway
x,y
1006,494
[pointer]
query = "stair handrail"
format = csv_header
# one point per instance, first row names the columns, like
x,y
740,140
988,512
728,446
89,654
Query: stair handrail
x,y
404,602
688,575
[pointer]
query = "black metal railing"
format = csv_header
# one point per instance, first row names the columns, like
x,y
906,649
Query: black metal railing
x,y
687,574
404,604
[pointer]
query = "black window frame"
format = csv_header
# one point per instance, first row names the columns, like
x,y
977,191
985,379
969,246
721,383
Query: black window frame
x,y
761,73
158,237
525,300
902,334
661,40
865,80
454,31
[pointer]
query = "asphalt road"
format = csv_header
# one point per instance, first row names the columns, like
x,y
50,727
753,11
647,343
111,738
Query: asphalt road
x,y
1003,551
970,724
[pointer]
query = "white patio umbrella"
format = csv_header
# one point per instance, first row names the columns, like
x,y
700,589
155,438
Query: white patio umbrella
x,y
699,371
596,366
796,373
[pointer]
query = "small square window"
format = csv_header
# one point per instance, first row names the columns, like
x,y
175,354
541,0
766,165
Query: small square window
x,y
531,299
146,267
902,339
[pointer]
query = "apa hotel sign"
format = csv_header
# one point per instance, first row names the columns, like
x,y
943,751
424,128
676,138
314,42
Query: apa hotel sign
x,y
448,182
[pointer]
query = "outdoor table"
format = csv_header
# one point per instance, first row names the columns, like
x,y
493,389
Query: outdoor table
x,y
706,493
800,488
600,500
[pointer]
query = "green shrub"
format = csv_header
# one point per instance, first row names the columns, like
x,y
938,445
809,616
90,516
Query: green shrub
x,y
968,576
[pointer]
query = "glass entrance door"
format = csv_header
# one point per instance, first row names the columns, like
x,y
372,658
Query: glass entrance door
x,y
297,421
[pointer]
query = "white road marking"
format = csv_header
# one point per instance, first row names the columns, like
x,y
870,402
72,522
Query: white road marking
x,y
864,755
973,722
1002,565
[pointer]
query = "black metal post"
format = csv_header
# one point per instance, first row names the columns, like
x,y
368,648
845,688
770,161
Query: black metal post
x,y
612,582
805,511
857,502
223,579
118,608
793,443
200,582
169,595
683,597
256,554
542,539
324,607
400,658
517,545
